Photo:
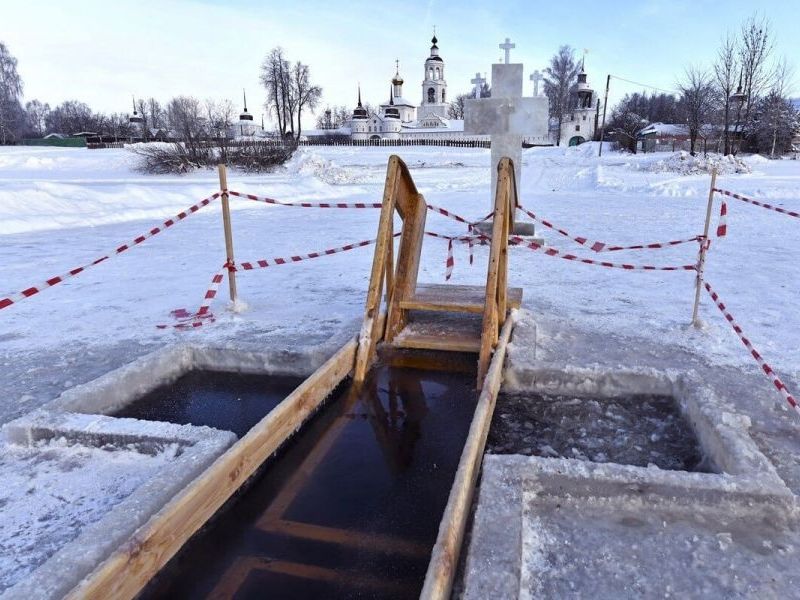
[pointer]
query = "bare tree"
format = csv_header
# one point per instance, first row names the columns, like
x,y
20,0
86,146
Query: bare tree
x,y
755,76
455,110
12,117
559,78
276,79
37,117
725,72
141,108
696,102
625,125
306,95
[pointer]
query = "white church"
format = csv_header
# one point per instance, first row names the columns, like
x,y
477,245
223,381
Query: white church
x,y
398,118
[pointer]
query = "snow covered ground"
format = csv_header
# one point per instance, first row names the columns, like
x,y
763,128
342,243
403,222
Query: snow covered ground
x,y
61,208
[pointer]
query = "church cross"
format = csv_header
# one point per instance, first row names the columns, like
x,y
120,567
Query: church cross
x,y
506,47
536,77
478,82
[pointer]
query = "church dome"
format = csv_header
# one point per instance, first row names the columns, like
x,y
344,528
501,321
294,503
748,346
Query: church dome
x,y
135,118
391,111
359,112
245,116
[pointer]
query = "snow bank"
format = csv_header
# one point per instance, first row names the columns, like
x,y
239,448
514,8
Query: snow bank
x,y
52,490
686,164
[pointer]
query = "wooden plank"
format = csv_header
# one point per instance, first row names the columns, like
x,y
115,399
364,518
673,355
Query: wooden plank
x,y
374,542
489,331
369,330
127,570
240,570
444,558
455,298
453,343
450,332
408,259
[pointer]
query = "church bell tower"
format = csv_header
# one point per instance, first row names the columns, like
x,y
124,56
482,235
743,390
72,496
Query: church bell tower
x,y
434,86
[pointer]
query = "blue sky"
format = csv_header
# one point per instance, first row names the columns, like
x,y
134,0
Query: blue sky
x,y
102,52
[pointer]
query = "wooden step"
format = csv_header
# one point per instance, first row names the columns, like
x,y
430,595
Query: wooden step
x,y
455,298
451,332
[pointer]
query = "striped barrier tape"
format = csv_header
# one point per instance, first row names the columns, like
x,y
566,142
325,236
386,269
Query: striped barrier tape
x,y
269,200
779,385
603,246
550,251
35,289
722,226
204,315
460,219
757,203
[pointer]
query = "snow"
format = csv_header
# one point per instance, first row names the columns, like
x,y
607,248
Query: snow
x,y
62,207
52,490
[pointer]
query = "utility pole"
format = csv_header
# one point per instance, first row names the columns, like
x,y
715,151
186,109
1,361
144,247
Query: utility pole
x,y
605,105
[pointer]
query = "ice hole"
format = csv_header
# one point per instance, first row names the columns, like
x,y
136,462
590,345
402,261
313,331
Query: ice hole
x,y
222,400
639,430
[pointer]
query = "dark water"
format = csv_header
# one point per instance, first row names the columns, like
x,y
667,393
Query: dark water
x,y
230,401
635,430
349,509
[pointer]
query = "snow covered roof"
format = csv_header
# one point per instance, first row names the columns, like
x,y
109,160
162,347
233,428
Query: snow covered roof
x,y
448,126
400,101
664,129
324,132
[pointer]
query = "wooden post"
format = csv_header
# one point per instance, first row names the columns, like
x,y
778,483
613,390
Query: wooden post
x,y
226,224
701,261
603,126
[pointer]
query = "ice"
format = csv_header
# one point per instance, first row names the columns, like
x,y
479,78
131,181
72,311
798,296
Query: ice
x,y
52,490
60,208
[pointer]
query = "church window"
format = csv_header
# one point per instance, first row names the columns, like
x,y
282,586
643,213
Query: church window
x,y
437,73
430,73
442,96
584,117
577,127
431,96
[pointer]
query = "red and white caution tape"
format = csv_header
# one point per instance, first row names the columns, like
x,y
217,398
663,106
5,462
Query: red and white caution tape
x,y
305,204
757,203
550,251
268,200
460,219
35,289
779,385
449,262
203,314
722,226
263,263
603,246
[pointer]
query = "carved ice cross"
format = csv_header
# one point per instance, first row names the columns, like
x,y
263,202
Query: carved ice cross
x,y
536,77
506,47
478,82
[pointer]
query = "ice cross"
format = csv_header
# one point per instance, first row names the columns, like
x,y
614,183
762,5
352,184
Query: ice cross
x,y
506,47
478,82
506,117
536,77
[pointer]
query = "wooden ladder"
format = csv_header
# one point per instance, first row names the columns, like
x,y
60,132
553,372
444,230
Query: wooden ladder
x,y
455,318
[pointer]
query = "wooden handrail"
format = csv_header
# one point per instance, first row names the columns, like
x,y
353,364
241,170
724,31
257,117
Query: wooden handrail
x,y
496,302
401,195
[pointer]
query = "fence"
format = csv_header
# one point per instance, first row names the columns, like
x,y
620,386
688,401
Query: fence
x,y
203,315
